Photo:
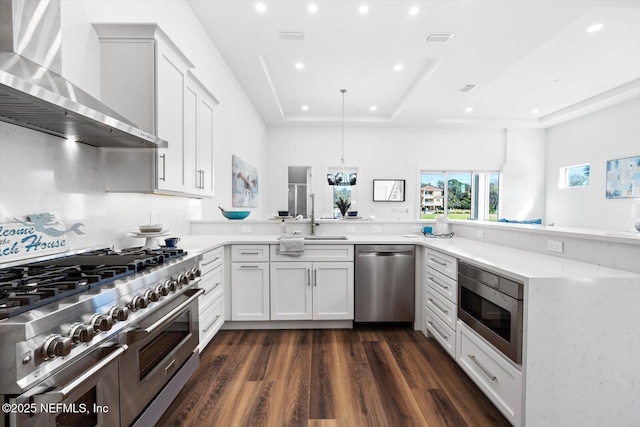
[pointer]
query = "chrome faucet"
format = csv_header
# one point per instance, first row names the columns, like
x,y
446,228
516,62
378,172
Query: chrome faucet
x,y
313,214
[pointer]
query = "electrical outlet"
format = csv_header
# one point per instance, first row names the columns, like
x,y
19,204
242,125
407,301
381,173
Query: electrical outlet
x,y
555,246
376,229
245,229
350,229
480,234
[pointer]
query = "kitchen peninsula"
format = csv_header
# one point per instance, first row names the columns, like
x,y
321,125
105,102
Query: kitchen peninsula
x,y
580,341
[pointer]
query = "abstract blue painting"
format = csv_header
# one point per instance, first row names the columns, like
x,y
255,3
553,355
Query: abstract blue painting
x,y
623,178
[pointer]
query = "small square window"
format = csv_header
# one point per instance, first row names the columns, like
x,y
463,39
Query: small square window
x,y
574,176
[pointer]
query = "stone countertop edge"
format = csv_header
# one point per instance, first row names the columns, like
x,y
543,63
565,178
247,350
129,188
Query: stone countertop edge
x,y
515,263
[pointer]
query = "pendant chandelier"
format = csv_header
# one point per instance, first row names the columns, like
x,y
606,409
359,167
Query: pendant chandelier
x,y
342,177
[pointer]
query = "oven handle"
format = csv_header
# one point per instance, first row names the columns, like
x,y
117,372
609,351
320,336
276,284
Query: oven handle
x,y
138,334
59,395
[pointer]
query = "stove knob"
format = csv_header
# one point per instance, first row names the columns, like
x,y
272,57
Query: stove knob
x,y
56,346
163,289
151,295
197,272
101,322
119,314
79,332
172,285
139,302
182,280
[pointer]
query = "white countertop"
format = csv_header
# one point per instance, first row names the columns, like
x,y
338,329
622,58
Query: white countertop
x,y
515,263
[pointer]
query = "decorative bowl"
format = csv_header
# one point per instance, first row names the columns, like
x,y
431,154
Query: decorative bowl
x,y
151,228
352,213
283,213
236,214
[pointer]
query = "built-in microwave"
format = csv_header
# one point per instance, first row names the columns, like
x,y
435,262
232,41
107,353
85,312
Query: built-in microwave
x,y
492,306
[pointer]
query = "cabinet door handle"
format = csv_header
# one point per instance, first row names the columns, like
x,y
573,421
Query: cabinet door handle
x,y
444,264
212,323
249,253
204,264
249,266
308,277
315,277
202,179
437,330
438,306
433,279
487,373
164,167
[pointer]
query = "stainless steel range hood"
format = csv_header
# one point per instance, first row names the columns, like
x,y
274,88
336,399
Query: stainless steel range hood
x,y
34,95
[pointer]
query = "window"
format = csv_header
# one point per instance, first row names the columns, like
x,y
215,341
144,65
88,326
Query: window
x,y
574,176
460,195
348,193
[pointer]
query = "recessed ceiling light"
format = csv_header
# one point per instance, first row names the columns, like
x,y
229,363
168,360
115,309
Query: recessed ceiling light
x,y
373,108
261,7
313,8
414,11
299,66
398,67
535,111
468,110
594,28
305,107
363,10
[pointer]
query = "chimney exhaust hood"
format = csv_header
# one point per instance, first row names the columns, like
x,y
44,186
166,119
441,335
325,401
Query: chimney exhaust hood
x,y
34,95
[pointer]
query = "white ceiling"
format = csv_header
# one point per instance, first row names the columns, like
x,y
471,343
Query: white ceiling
x,y
534,62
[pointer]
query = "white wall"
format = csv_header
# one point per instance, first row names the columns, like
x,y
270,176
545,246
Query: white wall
x,y
42,173
379,153
604,135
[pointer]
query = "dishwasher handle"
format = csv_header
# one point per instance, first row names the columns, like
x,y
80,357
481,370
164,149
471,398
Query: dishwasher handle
x,y
384,253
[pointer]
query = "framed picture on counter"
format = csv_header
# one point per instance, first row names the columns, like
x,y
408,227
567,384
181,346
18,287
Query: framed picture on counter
x,y
388,190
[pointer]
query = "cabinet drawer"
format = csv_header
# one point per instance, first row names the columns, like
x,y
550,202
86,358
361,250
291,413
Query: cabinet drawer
x,y
500,381
211,260
441,283
440,331
249,253
441,306
212,285
445,264
211,320
316,252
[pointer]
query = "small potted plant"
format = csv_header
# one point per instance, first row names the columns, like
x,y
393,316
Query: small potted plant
x,y
343,205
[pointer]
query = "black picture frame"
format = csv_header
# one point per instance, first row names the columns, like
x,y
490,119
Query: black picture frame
x,y
389,190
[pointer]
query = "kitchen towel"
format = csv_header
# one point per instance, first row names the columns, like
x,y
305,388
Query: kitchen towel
x,y
292,246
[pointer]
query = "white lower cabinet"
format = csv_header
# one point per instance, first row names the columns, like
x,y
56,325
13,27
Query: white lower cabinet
x,y
312,291
440,331
496,376
211,304
249,291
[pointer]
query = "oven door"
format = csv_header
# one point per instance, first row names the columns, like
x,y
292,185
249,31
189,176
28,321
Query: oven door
x,y
88,397
158,348
494,315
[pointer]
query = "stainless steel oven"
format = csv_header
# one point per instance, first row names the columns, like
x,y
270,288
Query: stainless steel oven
x,y
162,355
86,393
492,306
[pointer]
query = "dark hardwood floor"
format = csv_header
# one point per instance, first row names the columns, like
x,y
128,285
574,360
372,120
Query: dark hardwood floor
x,y
362,377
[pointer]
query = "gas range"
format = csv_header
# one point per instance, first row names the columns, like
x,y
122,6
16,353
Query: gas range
x,y
55,312
33,285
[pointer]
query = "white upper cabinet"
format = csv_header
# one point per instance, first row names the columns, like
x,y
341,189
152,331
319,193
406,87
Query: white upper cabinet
x,y
145,78
198,138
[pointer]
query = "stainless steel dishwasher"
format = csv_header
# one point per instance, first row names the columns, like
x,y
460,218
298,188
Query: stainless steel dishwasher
x,y
385,283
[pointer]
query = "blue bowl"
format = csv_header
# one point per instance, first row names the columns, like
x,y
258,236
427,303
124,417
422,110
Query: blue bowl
x,y
236,214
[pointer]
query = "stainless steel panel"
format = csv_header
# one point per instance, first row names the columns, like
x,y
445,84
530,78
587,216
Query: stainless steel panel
x,y
385,283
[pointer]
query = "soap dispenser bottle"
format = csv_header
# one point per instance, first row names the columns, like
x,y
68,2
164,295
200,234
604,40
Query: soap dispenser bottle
x,y
284,229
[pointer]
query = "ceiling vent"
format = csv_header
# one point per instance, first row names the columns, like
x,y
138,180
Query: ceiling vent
x,y
291,35
438,37
467,88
